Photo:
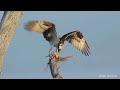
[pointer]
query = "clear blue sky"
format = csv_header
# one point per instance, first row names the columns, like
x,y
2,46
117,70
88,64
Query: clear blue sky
x,y
25,57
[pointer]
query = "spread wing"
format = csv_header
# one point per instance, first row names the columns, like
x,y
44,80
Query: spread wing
x,y
45,27
77,40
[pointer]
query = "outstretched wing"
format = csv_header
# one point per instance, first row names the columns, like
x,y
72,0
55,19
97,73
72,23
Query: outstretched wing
x,y
45,27
76,38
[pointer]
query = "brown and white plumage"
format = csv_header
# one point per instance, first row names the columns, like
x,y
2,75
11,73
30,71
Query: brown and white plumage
x,y
76,38
48,30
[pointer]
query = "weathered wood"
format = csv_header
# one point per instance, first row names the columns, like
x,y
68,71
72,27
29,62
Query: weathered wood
x,y
8,26
53,67
54,59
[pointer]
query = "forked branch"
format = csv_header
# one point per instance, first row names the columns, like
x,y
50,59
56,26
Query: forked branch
x,y
53,61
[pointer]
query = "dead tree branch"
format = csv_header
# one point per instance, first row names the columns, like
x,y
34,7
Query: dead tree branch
x,y
54,68
53,61
8,26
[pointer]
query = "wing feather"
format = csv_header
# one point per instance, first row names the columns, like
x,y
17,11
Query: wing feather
x,y
77,40
46,28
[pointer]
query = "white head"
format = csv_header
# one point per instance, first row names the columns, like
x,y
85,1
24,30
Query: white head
x,y
60,45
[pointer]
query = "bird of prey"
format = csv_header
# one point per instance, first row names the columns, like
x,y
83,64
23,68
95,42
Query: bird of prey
x,y
48,30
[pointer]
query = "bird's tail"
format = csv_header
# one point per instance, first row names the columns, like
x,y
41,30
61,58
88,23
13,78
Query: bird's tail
x,y
36,26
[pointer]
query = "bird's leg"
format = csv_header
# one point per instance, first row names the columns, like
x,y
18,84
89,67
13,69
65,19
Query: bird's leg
x,y
56,49
50,49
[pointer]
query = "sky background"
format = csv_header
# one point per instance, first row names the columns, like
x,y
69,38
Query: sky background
x,y
25,58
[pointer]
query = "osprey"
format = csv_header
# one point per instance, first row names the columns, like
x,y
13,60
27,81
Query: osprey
x,y
48,30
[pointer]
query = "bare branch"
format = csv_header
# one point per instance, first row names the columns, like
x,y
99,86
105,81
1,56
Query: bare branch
x,y
8,26
53,61
54,68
